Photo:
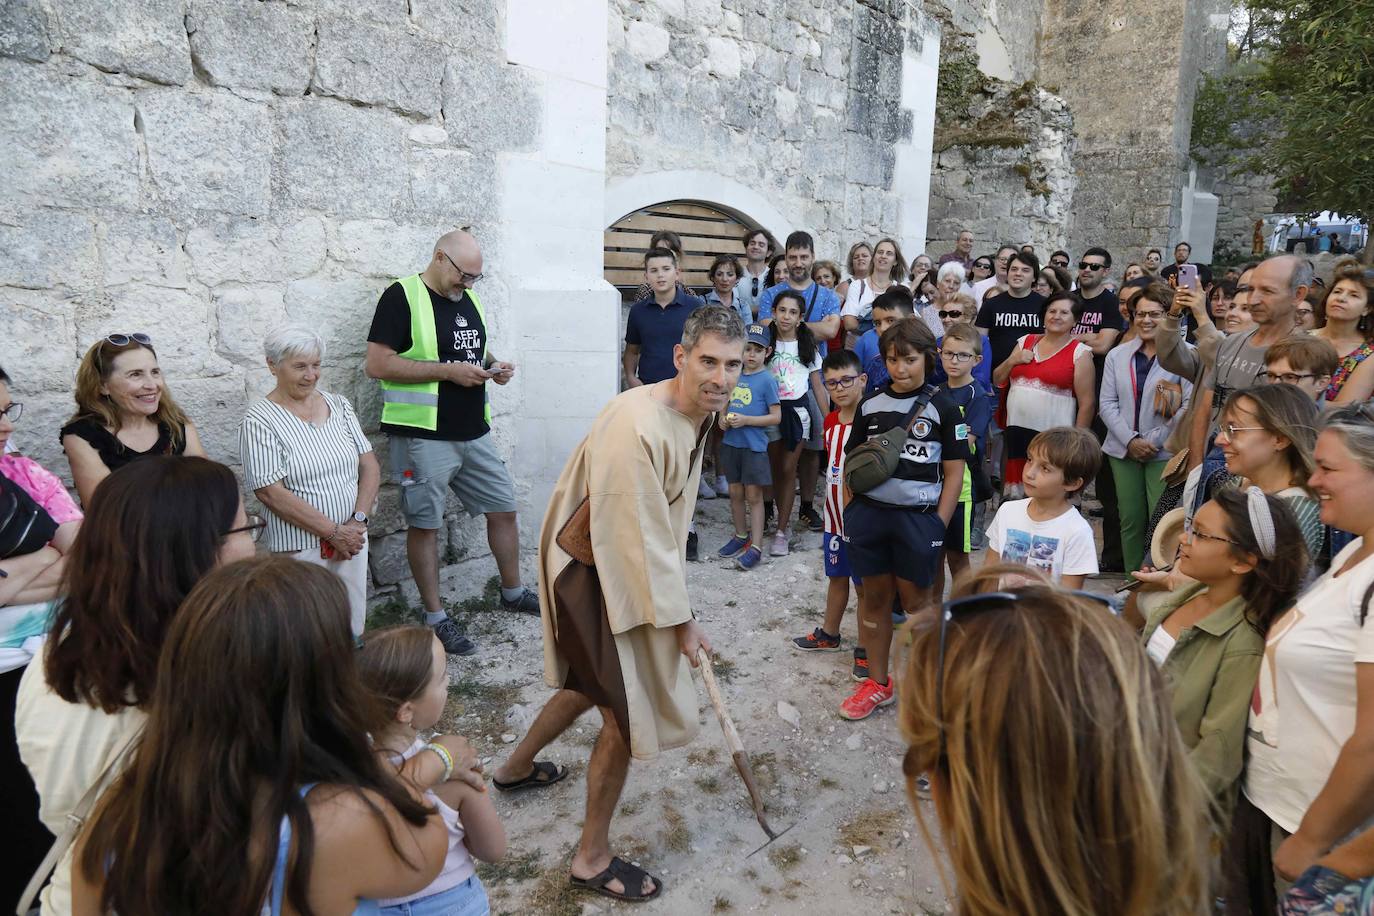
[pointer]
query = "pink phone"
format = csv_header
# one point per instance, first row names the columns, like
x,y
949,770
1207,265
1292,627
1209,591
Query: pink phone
x,y
1187,275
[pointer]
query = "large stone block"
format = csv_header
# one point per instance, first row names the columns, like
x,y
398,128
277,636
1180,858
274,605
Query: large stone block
x,y
226,249
46,248
383,248
206,151
40,342
646,41
25,30
361,63
453,185
141,248
143,38
216,405
342,159
243,316
490,106
460,23
248,44
722,56
67,142
179,323
339,309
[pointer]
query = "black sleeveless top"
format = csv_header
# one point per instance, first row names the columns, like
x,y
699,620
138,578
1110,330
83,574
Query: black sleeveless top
x,y
116,454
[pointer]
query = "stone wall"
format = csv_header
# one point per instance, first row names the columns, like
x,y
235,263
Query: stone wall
x,y
201,171
1005,172
803,103
1242,197
1128,72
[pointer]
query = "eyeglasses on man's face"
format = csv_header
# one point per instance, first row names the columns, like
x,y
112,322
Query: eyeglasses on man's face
x,y
1287,378
463,276
1090,265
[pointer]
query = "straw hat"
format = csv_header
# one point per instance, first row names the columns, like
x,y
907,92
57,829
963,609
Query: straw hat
x,y
1168,535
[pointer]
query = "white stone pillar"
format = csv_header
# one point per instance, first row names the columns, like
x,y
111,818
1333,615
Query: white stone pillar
x,y
564,314
911,177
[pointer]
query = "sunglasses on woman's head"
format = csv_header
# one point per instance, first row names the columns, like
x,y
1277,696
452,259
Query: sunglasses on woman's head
x,y
987,601
123,340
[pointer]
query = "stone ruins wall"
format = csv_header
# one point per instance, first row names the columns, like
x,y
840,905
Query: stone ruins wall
x,y
202,171
1242,198
800,102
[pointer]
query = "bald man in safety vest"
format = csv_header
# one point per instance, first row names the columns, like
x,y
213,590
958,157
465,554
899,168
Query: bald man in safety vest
x,y
428,346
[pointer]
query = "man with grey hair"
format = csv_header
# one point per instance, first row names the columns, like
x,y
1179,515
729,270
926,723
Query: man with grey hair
x,y
428,346
962,253
618,622
1277,285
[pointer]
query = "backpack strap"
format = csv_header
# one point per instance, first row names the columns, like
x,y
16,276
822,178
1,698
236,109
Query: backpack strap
x,y
922,400
1364,603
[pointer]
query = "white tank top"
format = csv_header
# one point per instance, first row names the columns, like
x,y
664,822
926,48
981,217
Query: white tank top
x,y
458,865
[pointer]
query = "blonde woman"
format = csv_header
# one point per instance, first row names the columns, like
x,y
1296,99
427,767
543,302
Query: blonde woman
x,y
1060,782
124,412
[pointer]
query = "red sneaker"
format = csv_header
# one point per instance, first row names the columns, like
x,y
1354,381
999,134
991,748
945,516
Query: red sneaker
x,y
868,696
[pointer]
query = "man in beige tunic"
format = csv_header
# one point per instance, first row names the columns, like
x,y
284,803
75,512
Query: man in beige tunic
x,y
616,632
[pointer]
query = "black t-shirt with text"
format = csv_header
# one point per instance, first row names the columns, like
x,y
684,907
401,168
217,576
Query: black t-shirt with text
x,y
1007,319
461,338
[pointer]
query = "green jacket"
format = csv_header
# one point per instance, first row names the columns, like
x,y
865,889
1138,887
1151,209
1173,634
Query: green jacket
x,y
1211,674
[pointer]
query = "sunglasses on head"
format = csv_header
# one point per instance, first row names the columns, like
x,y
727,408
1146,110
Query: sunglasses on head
x,y
123,340
987,601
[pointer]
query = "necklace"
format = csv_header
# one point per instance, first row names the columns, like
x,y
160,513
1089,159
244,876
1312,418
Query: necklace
x,y
308,417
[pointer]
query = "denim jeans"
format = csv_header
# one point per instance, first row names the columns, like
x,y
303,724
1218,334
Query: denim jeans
x,y
466,899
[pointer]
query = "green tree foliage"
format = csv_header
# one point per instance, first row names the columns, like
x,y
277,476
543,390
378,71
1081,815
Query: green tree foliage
x,y
1298,103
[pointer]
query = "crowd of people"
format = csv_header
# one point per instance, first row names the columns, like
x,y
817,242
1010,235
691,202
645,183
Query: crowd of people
x,y
196,711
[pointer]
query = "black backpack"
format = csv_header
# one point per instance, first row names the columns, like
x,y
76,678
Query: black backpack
x,y
25,526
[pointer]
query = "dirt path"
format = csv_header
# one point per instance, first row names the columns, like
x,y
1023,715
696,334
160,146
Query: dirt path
x,y
854,844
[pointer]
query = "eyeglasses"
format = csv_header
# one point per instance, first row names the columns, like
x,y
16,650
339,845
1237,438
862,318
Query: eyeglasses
x,y
1151,315
1304,312
1190,532
13,412
1059,263
1230,429
255,526
463,275
1288,378
957,357
1089,265
844,381
988,601
951,314
983,264
123,340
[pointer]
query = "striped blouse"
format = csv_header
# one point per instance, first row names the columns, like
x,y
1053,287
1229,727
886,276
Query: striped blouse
x,y
319,464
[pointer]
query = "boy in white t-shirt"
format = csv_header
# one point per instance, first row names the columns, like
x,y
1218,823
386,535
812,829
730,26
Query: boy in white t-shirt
x,y
1045,531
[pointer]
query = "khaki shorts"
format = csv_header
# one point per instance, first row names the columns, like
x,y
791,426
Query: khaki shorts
x,y
472,470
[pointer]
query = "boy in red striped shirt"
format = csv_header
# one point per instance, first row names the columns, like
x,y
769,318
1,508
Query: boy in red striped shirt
x,y
844,380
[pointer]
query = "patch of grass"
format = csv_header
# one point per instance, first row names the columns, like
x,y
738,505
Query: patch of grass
x,y
709,784
554,896
675,836
390,613
488,702
751,874
489,599
732,603
516,866
765,769
873,827
785,857
725,669
703,757
721,904
631,808
828,783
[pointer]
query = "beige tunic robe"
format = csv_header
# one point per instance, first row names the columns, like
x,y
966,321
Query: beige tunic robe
x,y
608,630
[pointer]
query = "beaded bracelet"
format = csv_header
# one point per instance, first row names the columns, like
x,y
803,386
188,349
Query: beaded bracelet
x,y
444,755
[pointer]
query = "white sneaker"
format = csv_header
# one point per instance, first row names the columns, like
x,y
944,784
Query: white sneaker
x,y
704,489
722,486
779,545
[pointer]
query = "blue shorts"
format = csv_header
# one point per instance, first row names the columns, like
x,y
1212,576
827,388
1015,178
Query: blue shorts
x,y
837,557
894,540
466,899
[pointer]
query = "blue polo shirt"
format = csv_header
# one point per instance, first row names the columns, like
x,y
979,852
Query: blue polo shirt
x,y
820,303
656,329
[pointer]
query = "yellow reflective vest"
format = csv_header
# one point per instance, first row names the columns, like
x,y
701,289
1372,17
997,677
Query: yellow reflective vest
x,y
417,403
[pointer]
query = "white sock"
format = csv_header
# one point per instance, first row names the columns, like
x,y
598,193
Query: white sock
x,y
512,594
434,618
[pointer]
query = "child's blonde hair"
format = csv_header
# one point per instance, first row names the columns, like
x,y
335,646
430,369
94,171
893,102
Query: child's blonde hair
x,y
395,664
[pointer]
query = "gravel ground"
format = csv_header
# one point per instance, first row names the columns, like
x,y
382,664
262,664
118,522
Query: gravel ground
x,y
853,840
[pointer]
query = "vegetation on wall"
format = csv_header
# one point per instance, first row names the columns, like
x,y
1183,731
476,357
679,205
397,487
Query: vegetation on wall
x,y
959,90
1297,102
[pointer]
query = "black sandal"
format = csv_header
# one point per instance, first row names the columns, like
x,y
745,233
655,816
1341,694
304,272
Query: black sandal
x,y
543,774
631,876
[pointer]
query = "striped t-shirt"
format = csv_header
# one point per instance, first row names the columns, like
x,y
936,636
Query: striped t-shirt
x,y
319,464
939,434
836,435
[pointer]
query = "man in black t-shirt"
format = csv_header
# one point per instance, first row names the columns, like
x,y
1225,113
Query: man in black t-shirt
x,y
1183,251
1006,317
428,346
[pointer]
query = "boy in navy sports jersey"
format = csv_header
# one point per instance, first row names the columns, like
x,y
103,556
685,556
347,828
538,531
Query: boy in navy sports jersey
x,y
844,380
960,354
897,529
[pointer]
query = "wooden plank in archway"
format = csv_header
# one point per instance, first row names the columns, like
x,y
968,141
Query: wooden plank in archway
x,y
705,231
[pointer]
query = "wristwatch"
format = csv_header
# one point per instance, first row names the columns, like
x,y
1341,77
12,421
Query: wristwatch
x,y
360,517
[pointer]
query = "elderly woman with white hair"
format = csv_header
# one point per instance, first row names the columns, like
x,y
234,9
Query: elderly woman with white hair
x,y
949,282
306,458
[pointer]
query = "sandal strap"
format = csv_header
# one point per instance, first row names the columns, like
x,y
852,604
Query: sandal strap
x,y
631,876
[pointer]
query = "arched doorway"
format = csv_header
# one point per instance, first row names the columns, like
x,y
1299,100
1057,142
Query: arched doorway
x,y
706,231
